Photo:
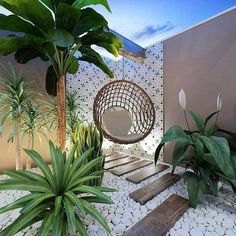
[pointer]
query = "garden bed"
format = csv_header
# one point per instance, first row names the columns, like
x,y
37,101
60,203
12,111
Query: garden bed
x,y
216,216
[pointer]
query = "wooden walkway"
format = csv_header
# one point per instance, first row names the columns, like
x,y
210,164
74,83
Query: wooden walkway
x,y
120,162
148,192
115,157
130,167
161,219
146,173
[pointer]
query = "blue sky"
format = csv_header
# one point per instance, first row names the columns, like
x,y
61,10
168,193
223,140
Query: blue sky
x,y
148,21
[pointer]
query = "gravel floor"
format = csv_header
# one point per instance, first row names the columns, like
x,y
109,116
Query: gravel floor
x,y
217,216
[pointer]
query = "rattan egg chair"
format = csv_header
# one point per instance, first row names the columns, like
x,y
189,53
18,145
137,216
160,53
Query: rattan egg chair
x,y
124,111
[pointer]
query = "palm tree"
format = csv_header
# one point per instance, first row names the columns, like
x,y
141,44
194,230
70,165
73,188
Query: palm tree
x,y
55,30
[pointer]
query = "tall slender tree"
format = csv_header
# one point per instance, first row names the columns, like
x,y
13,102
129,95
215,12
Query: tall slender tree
x,y
55,30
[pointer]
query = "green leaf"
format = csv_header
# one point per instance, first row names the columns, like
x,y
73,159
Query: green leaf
x,y
178,153
35,202
91,56
22,221
176,133
33,11
84,3
198,146
89,19
58,204
51,81
11,44
198,121
212,130
46,225
42,166
209,117
219,149
61,38
96,215
76,201
80,227
70,215
93,191
73,65
17,24
196,188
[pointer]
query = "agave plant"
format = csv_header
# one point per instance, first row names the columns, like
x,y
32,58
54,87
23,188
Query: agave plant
x,y
14,98
34,125
206,157
55,30
88,136
58,197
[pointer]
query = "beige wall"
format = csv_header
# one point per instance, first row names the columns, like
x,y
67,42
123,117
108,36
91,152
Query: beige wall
x,y
33,71
202,61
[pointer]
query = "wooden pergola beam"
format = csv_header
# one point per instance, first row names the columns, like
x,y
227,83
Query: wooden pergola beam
x,y
130,50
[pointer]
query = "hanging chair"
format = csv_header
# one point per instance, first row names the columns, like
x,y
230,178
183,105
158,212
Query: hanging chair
x,y
124,111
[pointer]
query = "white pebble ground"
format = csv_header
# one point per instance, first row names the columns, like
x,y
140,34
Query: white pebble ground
x,y
216,216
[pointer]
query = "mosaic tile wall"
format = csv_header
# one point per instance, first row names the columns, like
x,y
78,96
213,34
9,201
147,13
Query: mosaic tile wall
x,y
149,75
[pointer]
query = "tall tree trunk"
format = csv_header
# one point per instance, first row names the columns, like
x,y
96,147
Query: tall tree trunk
x,y
18,145
61,111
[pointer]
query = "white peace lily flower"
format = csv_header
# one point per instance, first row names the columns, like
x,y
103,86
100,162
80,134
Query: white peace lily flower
x,y
219,102
182,99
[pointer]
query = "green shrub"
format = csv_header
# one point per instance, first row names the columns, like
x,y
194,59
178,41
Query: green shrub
x,y
88,136
205,156
58,197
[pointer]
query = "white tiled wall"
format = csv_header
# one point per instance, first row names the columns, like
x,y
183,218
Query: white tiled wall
x,y
149,75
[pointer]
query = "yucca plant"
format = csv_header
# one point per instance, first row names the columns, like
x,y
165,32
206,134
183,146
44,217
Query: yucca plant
x,y
58,197
34,125
14,98
54,30
88,136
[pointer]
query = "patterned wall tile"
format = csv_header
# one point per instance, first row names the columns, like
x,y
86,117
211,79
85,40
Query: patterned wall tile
x,y
149,75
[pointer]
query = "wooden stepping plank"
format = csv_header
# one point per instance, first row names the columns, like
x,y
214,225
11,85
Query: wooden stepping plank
x,y
148,192
115,157
146,173
130,167
120,162
159,221
111,154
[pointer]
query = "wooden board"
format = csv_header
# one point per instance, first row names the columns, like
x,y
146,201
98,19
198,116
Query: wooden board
x,y
148,192
146,173
130,167
159,221
120,162
115,157
111,154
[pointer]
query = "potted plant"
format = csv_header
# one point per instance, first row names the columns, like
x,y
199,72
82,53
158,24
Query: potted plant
x,y
206,157
14,98
54,31
58,196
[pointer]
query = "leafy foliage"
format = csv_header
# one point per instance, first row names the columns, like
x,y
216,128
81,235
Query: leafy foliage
x,y
209,159
59,196
89,136
55,31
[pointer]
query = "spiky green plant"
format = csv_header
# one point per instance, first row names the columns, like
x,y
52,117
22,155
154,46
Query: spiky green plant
x,y
88,136
72,111
58,196
34,125
14,98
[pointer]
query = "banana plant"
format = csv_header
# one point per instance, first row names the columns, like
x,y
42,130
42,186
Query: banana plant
x,y
14,98
54,30
34,125
206,157
58,196
88,136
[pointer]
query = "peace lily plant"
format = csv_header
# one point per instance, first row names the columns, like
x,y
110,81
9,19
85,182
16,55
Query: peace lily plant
x,y
205,156
61,32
